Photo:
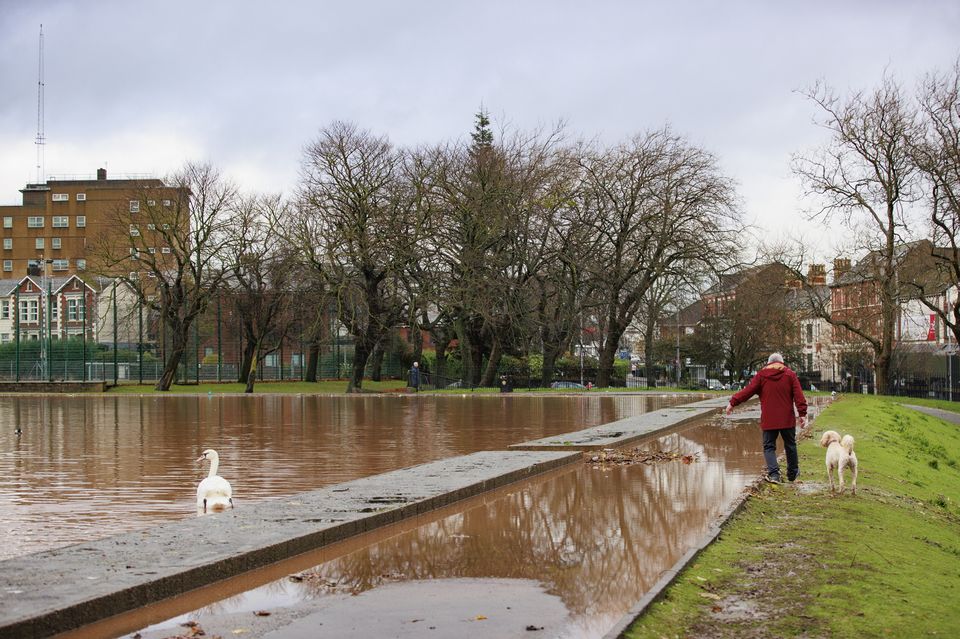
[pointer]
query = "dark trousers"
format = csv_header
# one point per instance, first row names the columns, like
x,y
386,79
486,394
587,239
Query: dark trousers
x,y
789,436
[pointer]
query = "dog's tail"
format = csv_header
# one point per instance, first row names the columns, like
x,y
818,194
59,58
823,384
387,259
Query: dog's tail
x,y
847,443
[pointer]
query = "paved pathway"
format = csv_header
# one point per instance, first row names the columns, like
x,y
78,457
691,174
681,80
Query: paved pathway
x,y
945,415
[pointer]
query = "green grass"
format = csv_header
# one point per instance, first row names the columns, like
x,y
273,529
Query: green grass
x,y
339,386
327,386
798,561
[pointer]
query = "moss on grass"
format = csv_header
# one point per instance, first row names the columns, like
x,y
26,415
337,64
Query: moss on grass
x,y
799,561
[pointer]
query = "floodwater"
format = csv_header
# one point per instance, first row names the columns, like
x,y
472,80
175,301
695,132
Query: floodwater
x,y
597,538
87,467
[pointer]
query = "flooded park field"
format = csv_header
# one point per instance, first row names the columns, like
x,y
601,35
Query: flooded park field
x,y
87,467
578,546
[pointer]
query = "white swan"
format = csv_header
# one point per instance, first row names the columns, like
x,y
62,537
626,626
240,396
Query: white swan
x,y
214,492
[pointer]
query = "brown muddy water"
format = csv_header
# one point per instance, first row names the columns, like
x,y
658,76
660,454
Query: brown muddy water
x,y
87,467
594,538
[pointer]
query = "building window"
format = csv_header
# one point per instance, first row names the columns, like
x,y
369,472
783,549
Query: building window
x,y
29,310
73,310
54,311
134,231
38,243
809,333
61,197
134,253
167,203
81,221
61,265
151,227
55,242
151,202
7,222
134,206
152,250
35,222
166,227
5,309
8,265
165,249
61,221
81,264
8,243
4,338
81,197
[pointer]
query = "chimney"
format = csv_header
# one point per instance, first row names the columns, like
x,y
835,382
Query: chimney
x,y
817,275
841,265
101,174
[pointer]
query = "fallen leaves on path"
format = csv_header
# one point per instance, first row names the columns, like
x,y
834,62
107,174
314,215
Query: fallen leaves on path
x,y
610,457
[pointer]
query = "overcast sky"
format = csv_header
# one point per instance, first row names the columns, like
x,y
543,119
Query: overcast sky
x,y
142,87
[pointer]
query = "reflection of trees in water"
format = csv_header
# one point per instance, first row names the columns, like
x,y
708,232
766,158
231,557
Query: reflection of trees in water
x,y
598,539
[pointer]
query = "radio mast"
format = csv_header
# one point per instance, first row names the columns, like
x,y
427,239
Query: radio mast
x,y
40,140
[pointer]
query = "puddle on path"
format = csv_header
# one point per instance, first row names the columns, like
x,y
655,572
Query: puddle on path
x,y
596,539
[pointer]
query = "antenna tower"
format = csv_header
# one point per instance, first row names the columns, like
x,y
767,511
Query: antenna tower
x,y
40,140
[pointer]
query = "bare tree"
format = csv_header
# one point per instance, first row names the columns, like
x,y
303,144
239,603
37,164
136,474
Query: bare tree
x,y
365,230
653,205
937,156
263,280
864,177
170,250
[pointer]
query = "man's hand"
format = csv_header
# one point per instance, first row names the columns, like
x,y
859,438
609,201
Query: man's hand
x,y
802,421
729,408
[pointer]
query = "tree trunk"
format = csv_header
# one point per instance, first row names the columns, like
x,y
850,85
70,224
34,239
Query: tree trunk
x,y
648,338
247,362
550,354
466,351
178,347
376,365
361,353
440,374
493,363
313,360
607,356
251,375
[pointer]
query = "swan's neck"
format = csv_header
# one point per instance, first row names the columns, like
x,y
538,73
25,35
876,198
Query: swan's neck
x,y
214,465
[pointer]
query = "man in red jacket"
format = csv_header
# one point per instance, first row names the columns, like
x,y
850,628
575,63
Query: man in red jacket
x,y
779,391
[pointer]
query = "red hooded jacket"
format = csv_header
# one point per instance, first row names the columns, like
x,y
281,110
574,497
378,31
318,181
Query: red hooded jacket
x,y
779,390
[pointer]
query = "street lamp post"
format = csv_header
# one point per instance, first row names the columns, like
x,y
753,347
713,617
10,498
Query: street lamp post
x,y
45,333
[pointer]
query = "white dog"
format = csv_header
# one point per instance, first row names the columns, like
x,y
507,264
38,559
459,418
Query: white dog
x,y
840,455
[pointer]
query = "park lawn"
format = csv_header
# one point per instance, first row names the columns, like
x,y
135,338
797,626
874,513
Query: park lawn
x,y
322,387
798,561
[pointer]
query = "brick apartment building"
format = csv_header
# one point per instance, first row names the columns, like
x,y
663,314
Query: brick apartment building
x,y
51,232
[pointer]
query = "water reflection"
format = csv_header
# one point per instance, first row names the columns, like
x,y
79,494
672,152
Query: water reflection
x,y
596,538
87,467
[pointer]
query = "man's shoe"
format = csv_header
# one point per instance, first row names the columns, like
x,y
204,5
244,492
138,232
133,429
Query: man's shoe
x,y
773,479
794,478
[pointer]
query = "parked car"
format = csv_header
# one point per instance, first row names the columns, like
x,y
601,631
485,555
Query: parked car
x,y
713,384
566,385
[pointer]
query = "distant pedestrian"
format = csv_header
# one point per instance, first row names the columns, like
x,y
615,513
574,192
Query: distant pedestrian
x,y
779,391
414,379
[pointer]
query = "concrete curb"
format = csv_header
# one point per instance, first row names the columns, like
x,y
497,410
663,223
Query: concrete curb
x,y
626,431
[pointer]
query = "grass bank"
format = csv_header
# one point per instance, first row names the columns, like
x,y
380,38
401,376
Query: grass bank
x,y
798,561
324,387
340,386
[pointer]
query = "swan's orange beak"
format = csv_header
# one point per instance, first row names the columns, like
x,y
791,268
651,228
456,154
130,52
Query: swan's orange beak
x,y
201,458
